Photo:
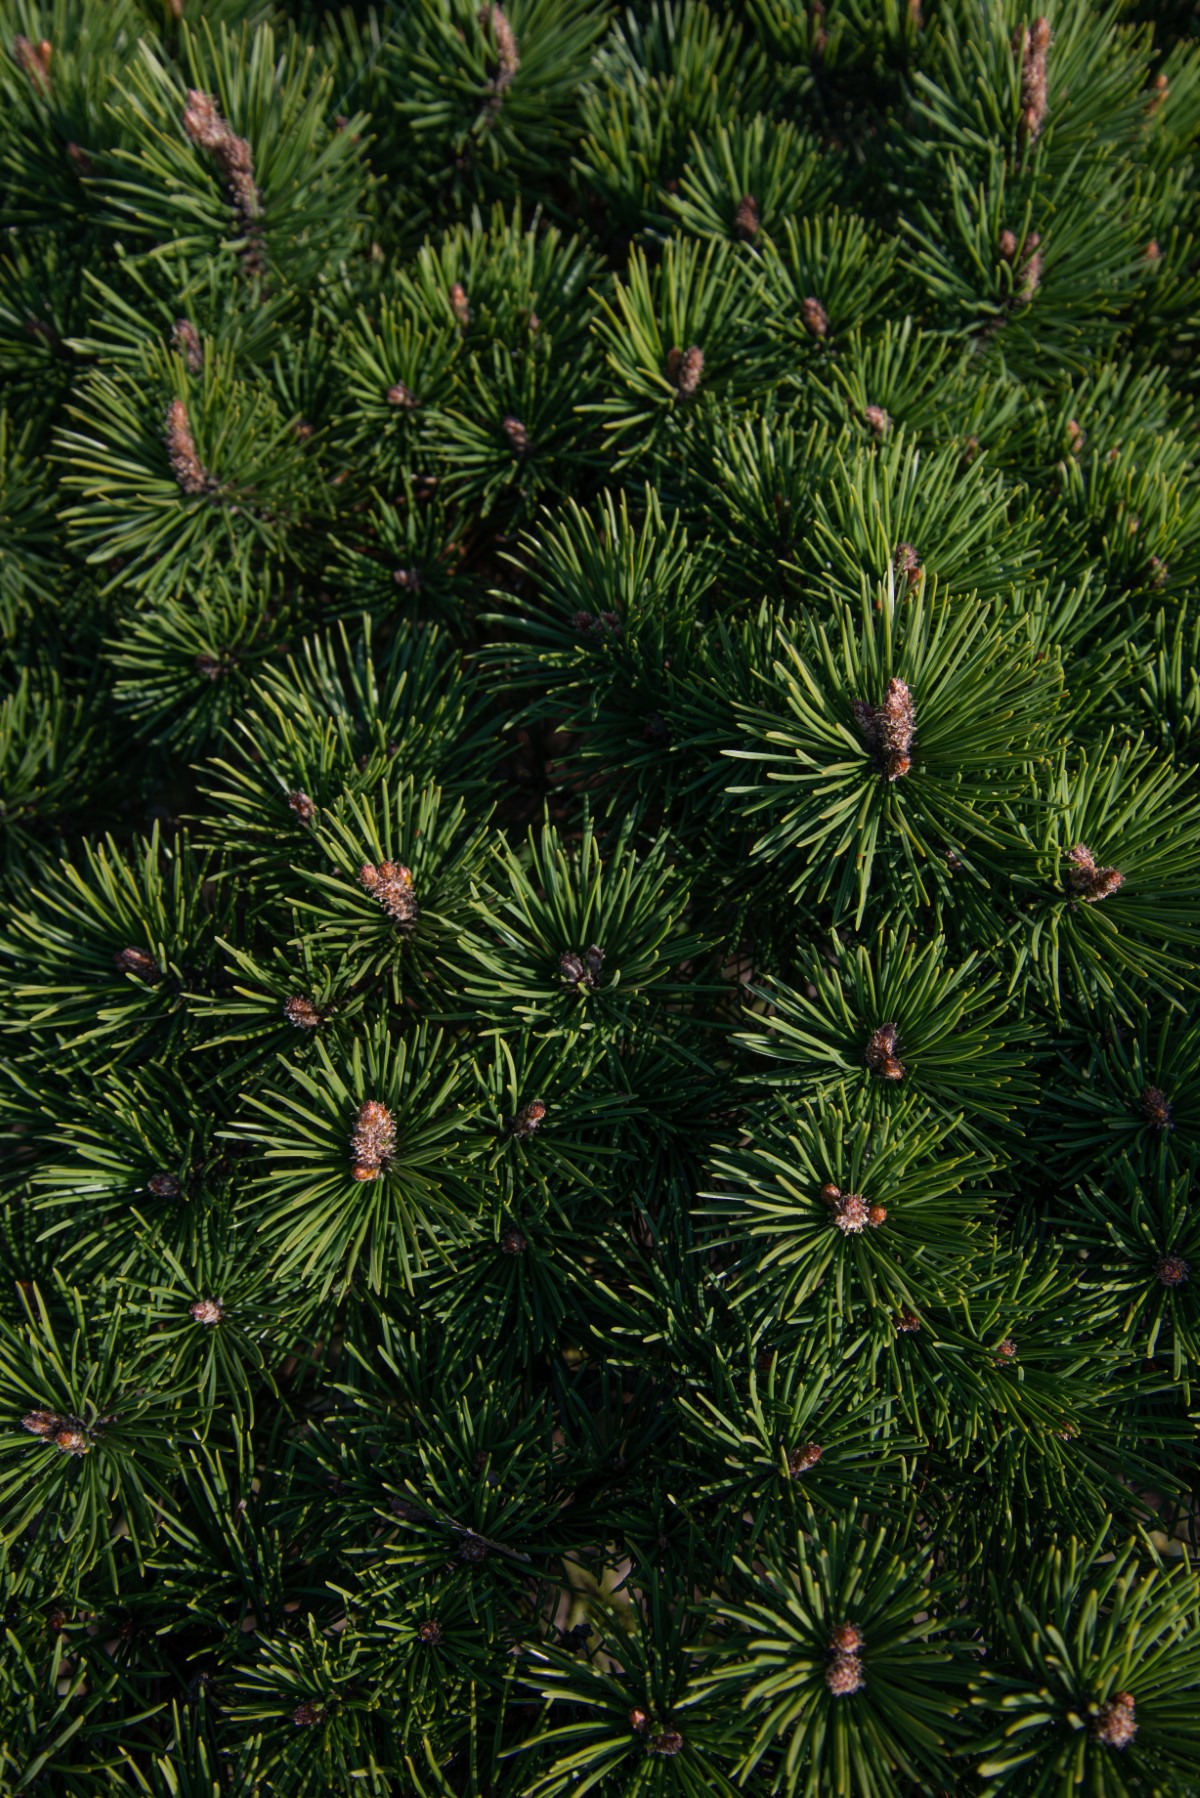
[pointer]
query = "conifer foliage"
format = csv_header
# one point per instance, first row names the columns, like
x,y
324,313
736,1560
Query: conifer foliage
x,y
600,958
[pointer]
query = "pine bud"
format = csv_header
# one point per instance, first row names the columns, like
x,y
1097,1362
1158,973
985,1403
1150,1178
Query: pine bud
x,y
1007,1350
1156,1109
303,807
745,219
518,436
802,1460
1160,87
906,565
392,885
880,1054
213,667
581,971
1075,436
42,1423
814,318
850,1211
374,1140
667,1741
34,61
234,159
1116,1725
136,961
639,1720
527,1119
513,1243
401,396
81,160
409,579
1158,572
430,1631
1088,882
163,1186
1173,1270
887,729
307,1713
473,1548
846,1639
504,38
192,476
844,1675
1007,245
1032,44
876,1215
459,305
877,419
301,1012
206,1311
684,369
908,1323
71,1439
186,339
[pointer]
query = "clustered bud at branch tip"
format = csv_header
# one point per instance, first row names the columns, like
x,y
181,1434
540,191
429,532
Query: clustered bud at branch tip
x,y
667,1741
186,465
802,1460
187,341
373,1142
880,1053
204,125
459,304
877,419
67,1434
528,1119
1156,1109
908,1323
301,1012
493,19
1173,1270
746,220
844,1674
306,1714
581,971
1032,45
685,369
887,729
1086,881
851,1212
206,1311
392,885
136,961
1116,1724
1028,264
401,396
518,436
34,60
430,1631
814,317
303,807
906,566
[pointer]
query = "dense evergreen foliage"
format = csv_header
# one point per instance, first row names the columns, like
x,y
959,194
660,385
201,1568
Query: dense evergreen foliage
x,y
600,960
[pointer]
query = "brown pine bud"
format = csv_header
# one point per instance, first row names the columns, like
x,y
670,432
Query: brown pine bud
x,y
34,61
1116,1725
814,318
392,885
513,1243
42,1423
1156,1109
745,219
1086,881
373,1142
831,1194
186,466
301,1012
1158,572
206,1311
473,1548
908,1323
163,1186
1007,1350
803,1460
639,1720
409,579
207,129
684,369
459,304
846,1639
528,1119
1152,252
71,1439
1007,245
581,971
307,1713
906,566
186,339
876,1215
1160,87
1074,436
401,396
1032,45
1173,1270
492,18
850,1213
880,1054
667,1741
844,1675
213,667
303,807
136,961
877,419
430,1631
518,436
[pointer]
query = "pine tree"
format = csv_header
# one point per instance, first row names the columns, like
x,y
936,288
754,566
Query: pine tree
x,y
600,975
